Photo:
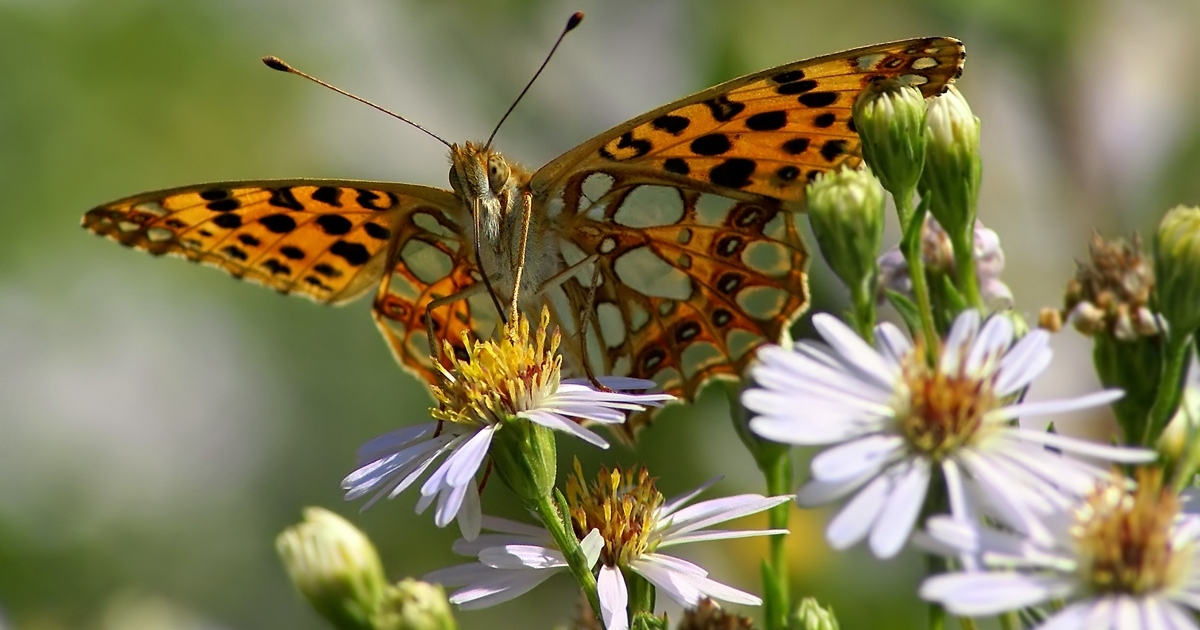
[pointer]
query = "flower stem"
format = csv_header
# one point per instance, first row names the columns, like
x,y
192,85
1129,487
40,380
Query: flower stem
x,y
553,519
776,597
1010,621
964,264
968,623
1170,387
862,309
910,245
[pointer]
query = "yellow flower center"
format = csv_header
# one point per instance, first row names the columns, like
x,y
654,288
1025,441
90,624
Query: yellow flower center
x,y
499,379
943,411
1124,537
623,506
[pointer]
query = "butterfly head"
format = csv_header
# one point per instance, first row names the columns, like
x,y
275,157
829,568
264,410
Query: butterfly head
x,y
485,183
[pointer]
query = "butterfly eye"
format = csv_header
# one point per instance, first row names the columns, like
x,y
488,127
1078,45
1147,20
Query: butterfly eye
x,y
454,183
497,172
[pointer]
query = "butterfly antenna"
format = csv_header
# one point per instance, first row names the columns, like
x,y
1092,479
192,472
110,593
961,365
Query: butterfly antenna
x,y
572,22
275,63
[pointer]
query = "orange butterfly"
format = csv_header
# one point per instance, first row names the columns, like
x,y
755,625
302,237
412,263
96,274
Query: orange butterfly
x,y
665,247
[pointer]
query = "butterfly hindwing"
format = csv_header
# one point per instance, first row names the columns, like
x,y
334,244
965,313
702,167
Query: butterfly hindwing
x,y
768,133
327,240
431,266
687,283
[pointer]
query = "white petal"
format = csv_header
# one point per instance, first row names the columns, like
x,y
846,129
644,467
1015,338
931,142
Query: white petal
x,y
466,460
464,547
674,503
972,594
459,574
672,564
816,492
1177,619
686,589
962,332
854,459
1121,454
1095,399
450,500
892,344
895,523
711,512
502,587
854,350
989,346
522,557
469,515
814,428
614,598
1073,617
592,545
1024,362
394,441
719,534
855,519
559,423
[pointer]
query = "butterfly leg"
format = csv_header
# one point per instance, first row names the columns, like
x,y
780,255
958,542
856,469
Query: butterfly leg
x,y
479,264
527,212
401,351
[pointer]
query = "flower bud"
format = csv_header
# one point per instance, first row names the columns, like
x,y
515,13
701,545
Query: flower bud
x,y
952,165
890,119
1177,269
415,605
846,211
525,456
335,567
811,616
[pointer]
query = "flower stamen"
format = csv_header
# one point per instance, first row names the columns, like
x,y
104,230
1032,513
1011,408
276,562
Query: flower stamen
x,y
622,505
945,411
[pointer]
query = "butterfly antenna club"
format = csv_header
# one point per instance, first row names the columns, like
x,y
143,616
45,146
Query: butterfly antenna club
x,y
572,22
275,63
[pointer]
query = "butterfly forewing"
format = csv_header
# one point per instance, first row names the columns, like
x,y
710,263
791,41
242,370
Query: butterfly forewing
x,y
325,240
767,133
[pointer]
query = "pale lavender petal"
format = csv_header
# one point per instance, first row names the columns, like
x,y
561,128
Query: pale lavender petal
x,y
972,594
675,503
470,514
892,344
1121,454
522,557
394,441
711,512
862,357
558,423
855,519
962,333
614,598
854,459
1024,362
503,587
989,346
466,460
1095,399
895,523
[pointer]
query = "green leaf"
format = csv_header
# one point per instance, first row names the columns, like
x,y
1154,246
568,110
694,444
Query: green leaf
x,y
907,309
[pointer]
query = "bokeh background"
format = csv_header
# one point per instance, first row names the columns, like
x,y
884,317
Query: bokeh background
x,y
160,423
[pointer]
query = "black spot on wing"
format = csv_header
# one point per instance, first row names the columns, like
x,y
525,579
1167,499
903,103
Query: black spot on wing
x,y
671,124
278,223
732,173
329,195
283,198
723,109
334,224
677,166
353,253
818,99
227,221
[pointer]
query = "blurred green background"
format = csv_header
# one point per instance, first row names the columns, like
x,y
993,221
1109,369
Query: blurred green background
x,y
160,423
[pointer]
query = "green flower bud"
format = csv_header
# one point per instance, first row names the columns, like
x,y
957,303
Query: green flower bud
x,y
1177,269
890,119
846,211
952,164
335,567
525,458
811,616
414,605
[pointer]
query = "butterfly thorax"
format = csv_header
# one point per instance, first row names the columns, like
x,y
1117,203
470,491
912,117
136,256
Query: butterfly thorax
x,y
490,191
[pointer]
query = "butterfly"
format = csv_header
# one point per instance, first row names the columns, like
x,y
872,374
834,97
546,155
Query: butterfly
x,y
666,247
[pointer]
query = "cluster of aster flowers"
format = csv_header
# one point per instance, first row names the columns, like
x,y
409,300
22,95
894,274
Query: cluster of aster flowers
x,y
921,431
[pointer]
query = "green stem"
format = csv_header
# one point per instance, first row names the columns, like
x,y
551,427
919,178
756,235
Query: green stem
x,y
778,475
1010,620
1170,387
911,248
967,623
964,264
862,308
566,541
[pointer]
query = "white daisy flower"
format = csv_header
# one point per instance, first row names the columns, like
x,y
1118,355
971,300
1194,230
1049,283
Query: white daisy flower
x,y
513,380
1122,559
890,418
628,523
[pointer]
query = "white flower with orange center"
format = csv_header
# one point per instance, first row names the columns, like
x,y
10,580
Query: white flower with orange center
x,y
498,386
623,523
890,416
1122,558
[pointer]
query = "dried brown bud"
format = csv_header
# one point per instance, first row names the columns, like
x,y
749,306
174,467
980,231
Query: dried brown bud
x,y
708,616
1112,291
